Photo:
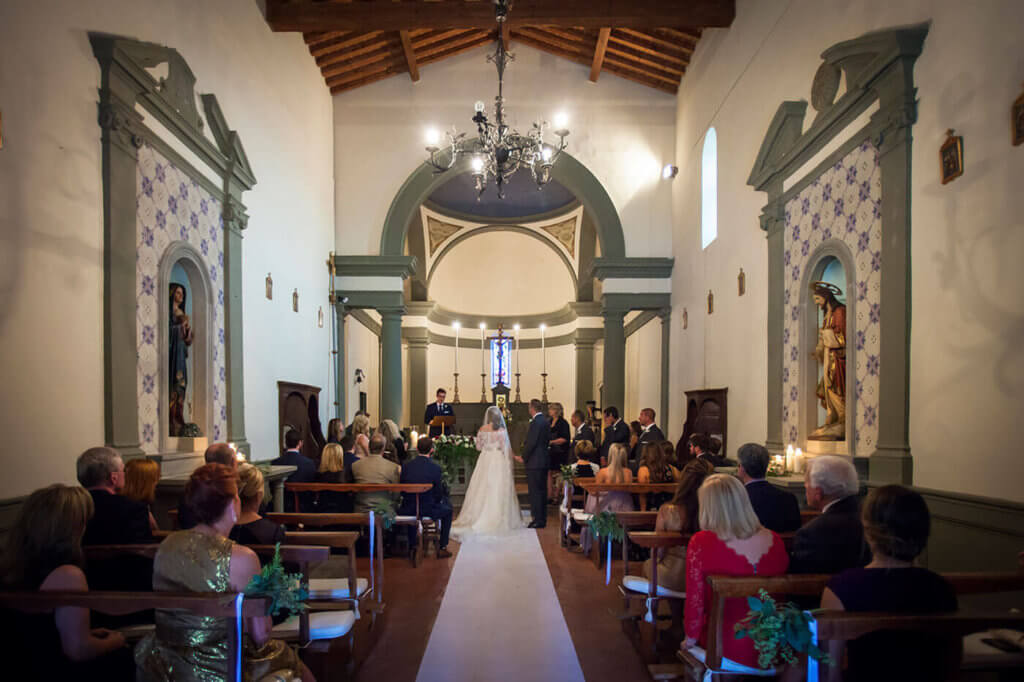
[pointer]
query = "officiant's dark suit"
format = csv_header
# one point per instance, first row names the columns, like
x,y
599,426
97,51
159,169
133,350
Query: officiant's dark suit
x,y
435,410
535,460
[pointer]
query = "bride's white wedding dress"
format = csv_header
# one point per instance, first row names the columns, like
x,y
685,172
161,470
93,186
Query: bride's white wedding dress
x,y
491,506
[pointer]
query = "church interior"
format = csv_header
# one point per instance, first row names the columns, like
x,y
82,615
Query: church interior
x,y
304,251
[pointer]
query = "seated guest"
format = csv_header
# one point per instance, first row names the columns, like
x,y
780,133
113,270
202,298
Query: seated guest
x,y
44,553
140,478
679,515
361,447
617,472
715,453
778,510
433,503
216,453
333,469
375,469
896,526
395,450
335,430
190,648
731,542
305,470
834,541
581,429
352,430
635,431
655,468
700,448
585,454
116,520
251,528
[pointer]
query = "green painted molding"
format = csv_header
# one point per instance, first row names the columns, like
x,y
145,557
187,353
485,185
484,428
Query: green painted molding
x,y
422,182
546,216
471,343
375,266
228,142
363,318
587,336
381,301
623,303
632,268
568,314
640,321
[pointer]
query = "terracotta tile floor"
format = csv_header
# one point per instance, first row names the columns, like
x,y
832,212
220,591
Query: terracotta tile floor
x,y
414,595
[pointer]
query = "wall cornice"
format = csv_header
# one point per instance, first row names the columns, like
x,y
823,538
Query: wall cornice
x,y
632,268
375,266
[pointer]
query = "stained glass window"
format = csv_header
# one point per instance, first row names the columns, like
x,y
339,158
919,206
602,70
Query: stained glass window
x,y
500,362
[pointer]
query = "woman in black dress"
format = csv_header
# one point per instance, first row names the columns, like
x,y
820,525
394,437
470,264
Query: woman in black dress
x,y
896,527
333,470
558,447
251,528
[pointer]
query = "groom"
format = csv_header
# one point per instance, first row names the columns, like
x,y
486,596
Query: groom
x,y
535,459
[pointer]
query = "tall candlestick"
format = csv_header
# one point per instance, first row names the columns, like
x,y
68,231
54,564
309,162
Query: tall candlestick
x,y
543,350
456,326
517,348
483,354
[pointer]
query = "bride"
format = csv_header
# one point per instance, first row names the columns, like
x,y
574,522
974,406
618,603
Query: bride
x,y
491,506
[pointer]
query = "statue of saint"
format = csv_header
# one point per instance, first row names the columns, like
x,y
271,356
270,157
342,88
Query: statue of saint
x,y
831,353
181,339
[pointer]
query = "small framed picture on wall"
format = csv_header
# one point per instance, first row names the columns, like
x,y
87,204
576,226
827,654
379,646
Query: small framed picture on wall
x,y
951,157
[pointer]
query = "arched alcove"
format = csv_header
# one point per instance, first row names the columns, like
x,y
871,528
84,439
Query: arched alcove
x,y
181,258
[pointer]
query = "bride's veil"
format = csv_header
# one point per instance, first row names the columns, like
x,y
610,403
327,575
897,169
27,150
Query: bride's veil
x,y
494,417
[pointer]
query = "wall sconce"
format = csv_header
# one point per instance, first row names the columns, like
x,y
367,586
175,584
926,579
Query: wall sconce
x,y
360,375
669,171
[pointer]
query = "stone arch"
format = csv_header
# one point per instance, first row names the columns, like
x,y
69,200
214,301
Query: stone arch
x,y
830,248
203,315
567,170
469,234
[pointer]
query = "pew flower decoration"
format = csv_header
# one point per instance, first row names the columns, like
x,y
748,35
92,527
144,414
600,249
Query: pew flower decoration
x,y
780,633
606,525
286,592
568,472
385,509
454,452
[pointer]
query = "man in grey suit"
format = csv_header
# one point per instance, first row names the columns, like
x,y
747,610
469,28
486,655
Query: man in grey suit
x,y
535,459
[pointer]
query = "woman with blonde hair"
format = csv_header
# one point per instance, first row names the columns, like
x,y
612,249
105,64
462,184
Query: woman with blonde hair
x,y
251,528
731,542
617,472
395,450
140,478
44,552
333,470
558,447
361,432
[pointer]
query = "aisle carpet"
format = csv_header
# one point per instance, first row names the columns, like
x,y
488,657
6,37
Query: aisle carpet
x,y
500,618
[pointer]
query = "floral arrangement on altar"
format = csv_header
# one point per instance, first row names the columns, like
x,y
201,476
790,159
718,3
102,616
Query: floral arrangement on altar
x,y
453,452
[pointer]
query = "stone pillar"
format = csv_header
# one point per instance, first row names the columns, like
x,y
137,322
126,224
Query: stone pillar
x,y
666,348
419,343
235,220
584,345
341,386
614,355
391,363
774,225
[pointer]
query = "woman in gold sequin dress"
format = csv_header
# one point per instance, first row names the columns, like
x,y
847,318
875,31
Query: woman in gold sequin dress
x,y
189,648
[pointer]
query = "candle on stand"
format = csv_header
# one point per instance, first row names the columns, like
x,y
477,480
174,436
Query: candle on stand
x,y
517,347
798,459
543,350
414,438
455,326
483,354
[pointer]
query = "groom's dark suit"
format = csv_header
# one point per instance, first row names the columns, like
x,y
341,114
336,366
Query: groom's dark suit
x,y
535,460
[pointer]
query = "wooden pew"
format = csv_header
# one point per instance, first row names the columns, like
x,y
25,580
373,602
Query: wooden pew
x,y
639,489
643,634
633,521
124,603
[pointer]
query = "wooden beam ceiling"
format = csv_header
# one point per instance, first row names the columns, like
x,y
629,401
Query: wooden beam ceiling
x,y
357,42
309,15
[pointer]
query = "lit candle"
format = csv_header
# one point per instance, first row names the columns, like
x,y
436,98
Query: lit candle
x,y
789,457
543,350
517,348
483,354
414,438
799,457
455,326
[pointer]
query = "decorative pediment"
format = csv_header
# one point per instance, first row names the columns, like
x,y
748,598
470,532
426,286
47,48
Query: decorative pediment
x,y
228,141
782,136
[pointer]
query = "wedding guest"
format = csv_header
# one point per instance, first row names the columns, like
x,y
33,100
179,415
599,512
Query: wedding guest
x,y
617,472
140,478
649,433
335,467
634,437
216,453
351,428
189,648
896,524
731,542
700,447
433,503
361,433
305,470
777,509
679,515
834,541
395,449
251,528
374,469
615,431
581,429
335,430
44,552
715,453
116,520
585,454
558,448
655,468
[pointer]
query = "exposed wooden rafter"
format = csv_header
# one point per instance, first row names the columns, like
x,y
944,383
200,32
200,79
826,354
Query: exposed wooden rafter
x,y
410,56
308,15
599,49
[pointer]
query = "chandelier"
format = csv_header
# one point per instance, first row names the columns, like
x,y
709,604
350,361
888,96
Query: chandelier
x,y
499,151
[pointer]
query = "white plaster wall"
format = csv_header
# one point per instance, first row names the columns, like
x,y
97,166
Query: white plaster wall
x,y
51,219
643,371
623,132
362,351
966,387
501,273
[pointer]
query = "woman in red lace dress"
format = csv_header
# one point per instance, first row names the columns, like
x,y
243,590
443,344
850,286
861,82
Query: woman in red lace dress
x,y
731,542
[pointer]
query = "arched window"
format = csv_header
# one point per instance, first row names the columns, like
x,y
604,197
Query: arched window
x,y
709,189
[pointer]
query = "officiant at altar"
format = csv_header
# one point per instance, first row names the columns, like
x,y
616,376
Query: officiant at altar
x,y
438,409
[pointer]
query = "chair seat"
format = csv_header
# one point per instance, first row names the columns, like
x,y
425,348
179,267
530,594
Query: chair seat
x,y
336,588
406,519
636,583
581,516
322,625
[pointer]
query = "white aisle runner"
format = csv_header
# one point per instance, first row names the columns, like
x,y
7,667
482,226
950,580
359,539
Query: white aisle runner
x,y
500,618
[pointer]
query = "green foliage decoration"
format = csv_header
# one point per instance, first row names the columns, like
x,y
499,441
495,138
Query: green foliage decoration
x,y
780,633
385,509
286,591
606,525
453,452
